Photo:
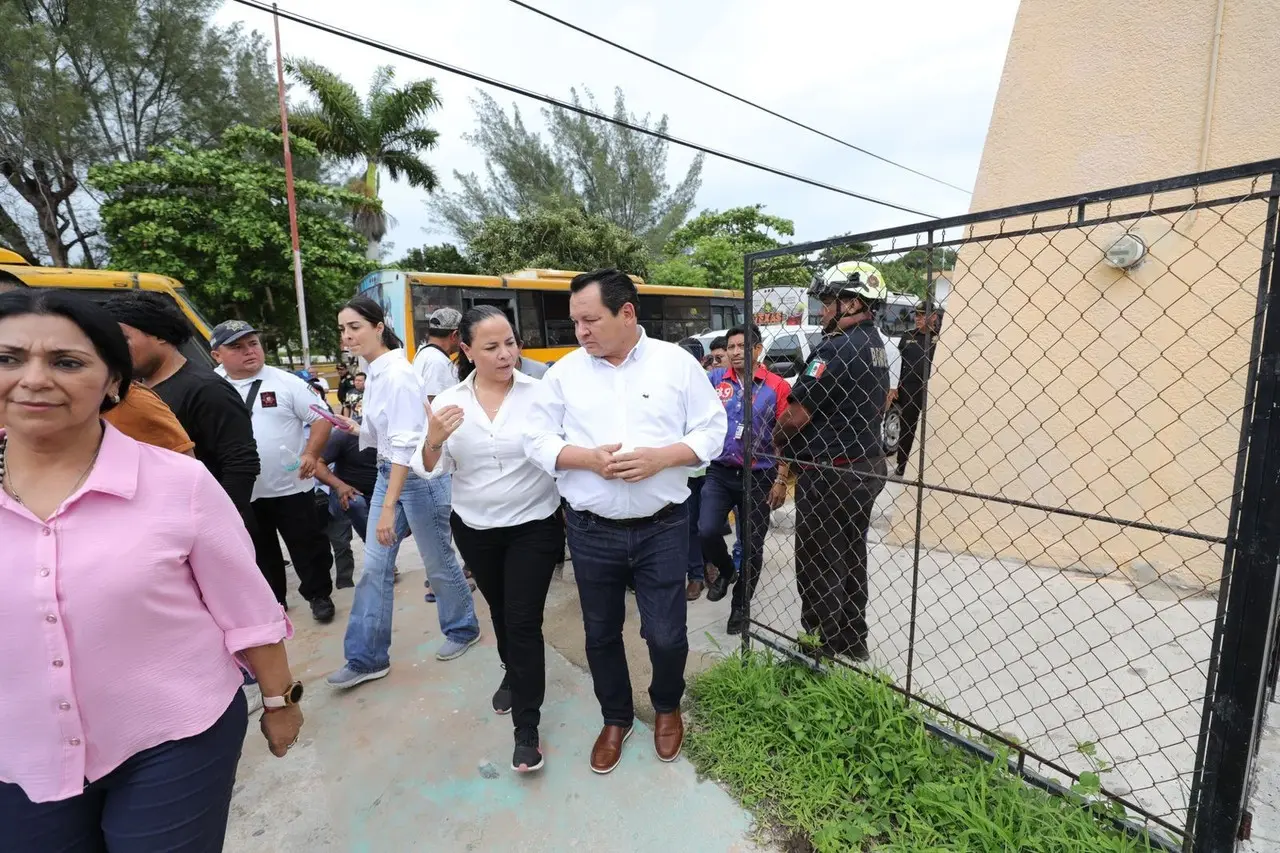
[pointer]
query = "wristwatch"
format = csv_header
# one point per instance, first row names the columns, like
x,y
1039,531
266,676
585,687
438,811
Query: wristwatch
x,y
292,696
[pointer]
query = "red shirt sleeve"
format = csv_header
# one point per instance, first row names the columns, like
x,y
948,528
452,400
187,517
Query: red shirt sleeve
x,y
782,391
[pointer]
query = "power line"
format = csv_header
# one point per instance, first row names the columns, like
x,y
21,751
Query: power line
x,y
565,105
728,94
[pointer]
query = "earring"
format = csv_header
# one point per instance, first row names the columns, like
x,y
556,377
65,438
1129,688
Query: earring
x,y
115,398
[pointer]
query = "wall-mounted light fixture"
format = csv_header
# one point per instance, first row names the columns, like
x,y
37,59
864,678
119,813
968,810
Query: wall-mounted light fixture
x,y
1126,252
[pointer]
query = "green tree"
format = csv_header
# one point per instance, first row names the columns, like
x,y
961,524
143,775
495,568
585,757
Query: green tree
x,y
91,81
715,242
555,238
910,272
607,170
217,220
388,130
442,258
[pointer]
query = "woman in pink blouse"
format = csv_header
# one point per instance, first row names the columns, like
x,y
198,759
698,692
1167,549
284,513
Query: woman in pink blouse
x,y
130,593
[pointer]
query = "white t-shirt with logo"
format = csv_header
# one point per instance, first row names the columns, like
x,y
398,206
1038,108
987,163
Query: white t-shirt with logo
x,y
281,413
435,369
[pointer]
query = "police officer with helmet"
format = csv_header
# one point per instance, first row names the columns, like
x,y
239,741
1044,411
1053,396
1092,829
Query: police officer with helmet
x,y
833,430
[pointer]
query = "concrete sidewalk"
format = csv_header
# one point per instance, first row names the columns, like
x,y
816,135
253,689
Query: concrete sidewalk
x,y
418,760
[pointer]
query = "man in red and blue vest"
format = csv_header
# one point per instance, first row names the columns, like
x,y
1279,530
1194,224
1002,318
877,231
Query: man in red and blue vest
x,y
723,490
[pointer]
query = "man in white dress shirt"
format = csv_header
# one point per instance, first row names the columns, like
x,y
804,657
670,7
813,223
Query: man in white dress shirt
x,y
619,423
434,361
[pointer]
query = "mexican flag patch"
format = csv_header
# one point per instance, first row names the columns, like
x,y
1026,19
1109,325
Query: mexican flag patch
x,y
816,368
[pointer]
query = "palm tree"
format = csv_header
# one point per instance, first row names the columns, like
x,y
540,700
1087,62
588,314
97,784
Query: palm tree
x,y
387,131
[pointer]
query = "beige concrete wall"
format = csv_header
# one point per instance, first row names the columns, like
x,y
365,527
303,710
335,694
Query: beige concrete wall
x,y
1062,381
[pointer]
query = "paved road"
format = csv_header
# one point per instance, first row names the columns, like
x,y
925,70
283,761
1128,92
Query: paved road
x,y
418,761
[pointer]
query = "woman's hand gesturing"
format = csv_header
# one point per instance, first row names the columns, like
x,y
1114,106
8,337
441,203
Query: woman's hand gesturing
x,y
442,424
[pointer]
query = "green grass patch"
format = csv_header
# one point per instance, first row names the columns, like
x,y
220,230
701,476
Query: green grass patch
x,y
840,762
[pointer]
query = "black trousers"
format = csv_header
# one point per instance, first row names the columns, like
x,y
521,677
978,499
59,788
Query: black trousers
x,y
910,408
512,567
294,519
721,493
833,512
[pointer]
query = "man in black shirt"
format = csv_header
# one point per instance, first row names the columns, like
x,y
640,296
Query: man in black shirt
x,y
917,349
834,423
346,384
208,408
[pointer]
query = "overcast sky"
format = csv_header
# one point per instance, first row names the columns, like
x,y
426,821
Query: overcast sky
x,y
912,80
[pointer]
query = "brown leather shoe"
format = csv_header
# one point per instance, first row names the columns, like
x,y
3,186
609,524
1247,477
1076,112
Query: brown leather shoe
x,y
607,752
694,591
668,735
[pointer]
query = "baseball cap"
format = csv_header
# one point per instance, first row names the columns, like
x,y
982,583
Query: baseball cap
x,y
228,332
444,319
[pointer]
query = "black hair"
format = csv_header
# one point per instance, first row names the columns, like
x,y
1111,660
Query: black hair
x,y
102,330
474,317
373,313
750,334
616,288
152,314
719,343
361,373
693,346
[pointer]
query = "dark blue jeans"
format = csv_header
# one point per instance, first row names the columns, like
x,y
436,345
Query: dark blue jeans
x,y
697,565
175,796
721,493
605,556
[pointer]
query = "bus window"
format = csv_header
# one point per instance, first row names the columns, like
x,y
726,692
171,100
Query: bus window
x,y
530,302
555,308
428,299
650,308
503,302
718,318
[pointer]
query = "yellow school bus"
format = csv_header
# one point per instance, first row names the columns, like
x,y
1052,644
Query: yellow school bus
x,y
101,285
537,303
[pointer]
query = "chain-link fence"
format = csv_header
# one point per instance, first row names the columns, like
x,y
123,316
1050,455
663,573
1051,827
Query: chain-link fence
x,y
1044,555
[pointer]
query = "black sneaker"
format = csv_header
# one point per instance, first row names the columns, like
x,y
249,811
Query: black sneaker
x,y
323,610
502,696
737,622
719,588
527,757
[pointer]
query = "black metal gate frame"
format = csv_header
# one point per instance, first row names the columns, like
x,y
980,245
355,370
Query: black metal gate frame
x,y
1240,659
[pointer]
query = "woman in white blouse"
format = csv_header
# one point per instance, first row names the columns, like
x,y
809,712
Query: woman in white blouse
x,y
394,421
506,517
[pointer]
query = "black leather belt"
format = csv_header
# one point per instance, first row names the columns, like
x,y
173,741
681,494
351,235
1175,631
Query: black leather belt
x,y
661,515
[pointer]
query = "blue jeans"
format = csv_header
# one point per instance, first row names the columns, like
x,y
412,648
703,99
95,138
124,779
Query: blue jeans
x,y
357,512
697,565
423,510
175,796
606,555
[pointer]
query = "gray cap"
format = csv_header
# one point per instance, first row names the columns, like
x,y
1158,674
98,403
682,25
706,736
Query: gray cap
x,y
444,320
228,332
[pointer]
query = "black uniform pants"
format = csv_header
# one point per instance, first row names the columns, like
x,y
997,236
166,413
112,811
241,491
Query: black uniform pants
x,y
833,512
910,407
294,519
512,567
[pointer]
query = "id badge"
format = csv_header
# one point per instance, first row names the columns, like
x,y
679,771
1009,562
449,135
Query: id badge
x,y
737,434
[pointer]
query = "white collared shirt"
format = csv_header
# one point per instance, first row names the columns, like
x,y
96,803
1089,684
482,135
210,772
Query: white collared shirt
x,y
436,371
394,415
659,395
281,414
494,482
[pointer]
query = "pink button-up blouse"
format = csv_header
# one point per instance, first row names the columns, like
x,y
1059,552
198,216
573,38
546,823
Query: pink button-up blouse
x,y
120,616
